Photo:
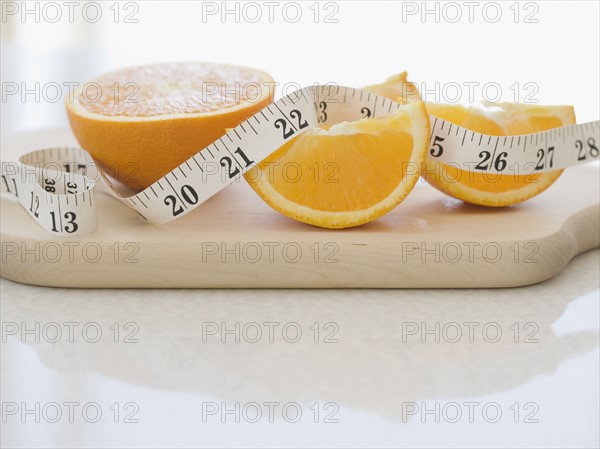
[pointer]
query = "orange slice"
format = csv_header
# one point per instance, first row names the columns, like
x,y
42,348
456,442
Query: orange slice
x,y
142,122
497,119
349,174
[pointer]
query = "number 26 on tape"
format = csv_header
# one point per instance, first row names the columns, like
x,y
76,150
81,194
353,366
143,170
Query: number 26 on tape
x,y
499,161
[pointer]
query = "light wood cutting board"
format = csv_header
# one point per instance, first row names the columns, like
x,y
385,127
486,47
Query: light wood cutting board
x,y
235,240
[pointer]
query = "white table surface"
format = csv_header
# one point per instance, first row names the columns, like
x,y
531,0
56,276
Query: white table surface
x,y
374,375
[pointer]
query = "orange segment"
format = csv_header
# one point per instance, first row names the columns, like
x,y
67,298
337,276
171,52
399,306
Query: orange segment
x,y
497,119
142,122
348,174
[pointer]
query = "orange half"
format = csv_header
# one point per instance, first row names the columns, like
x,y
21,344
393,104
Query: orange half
x,y
142,122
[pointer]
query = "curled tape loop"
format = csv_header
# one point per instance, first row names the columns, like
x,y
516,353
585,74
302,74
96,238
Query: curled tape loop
x,y
57,185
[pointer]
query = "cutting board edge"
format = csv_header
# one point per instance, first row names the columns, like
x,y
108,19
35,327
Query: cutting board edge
x,y
579,233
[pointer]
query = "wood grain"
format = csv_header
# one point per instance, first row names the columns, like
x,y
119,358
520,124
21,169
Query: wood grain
x,y
235,240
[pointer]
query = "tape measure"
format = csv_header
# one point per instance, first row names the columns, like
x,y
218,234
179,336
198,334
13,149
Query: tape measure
x,y
57,185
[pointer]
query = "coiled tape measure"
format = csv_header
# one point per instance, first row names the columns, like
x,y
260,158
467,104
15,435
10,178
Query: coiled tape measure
x,y
57,185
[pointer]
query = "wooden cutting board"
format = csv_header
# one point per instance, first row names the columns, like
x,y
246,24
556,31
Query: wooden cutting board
x,y
235,240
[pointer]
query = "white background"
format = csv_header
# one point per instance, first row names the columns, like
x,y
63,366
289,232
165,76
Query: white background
x,y
371,41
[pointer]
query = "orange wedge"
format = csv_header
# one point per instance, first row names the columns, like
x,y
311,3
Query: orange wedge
x,y
349,174
496,119
142,122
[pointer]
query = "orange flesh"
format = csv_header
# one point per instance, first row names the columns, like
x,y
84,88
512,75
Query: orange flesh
x,y
168,89
335,173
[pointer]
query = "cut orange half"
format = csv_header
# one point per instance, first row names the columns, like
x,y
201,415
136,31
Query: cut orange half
x,y
496,119
348,174
142,122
